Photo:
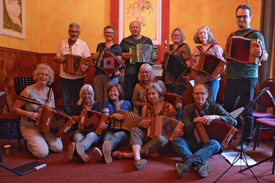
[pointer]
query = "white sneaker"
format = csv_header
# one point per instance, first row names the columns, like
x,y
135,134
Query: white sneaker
x,y
106,149
98,153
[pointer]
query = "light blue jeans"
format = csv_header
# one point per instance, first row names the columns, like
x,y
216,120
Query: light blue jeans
x,y
116,138
86,138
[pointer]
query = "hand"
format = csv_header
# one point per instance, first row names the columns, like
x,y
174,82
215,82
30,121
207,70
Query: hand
x,y
141,104
179,132
145,123
84,68
95,56
33,115
185,77
206,119
162,60
103,126
76,118
126,55
118,116
156,57
256,51
117,73
178,105
195,66
60,59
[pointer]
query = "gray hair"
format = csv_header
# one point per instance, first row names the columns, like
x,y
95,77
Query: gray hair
x,y
158,89
91,91
148,68
44,66
182,35
110,27
74,25
205,86
211,38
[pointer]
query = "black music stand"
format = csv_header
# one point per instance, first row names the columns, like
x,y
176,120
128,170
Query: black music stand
x,y
241,155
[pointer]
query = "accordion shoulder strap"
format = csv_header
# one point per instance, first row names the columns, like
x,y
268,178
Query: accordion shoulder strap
x,y
202,50
143,84
49,96
246,34
132,43
29,100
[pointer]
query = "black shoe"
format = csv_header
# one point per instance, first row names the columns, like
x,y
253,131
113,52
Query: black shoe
x,y
245,146
181,169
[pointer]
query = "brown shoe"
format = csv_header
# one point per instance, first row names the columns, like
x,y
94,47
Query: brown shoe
x,y
81,152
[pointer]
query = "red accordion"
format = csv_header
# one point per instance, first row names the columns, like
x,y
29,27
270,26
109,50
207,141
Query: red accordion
x,y
172,98
73,64
217,130
165,126
210,65
238,49
91,120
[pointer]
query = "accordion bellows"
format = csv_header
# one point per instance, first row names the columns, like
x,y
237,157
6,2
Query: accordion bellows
x,y
73,64
238,49
172,98
165,126
143,53
217,130
130,120
210,65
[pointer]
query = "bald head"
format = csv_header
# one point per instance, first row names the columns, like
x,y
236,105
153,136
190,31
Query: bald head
x,y
135,29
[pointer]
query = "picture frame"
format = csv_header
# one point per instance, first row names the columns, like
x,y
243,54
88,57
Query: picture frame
x,y
12,18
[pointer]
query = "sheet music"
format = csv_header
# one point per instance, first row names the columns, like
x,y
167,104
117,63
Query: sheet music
x,y
230,156
2,93
234,114
192,82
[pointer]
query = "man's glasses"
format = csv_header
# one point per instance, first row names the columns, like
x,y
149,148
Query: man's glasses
x,y
242,16
202,94
74,32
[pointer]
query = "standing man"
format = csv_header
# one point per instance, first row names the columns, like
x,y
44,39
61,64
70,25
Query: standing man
x,y
131,71
242,78
187,147
71,83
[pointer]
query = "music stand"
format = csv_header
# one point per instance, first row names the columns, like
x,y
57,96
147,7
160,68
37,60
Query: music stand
x,y
241,154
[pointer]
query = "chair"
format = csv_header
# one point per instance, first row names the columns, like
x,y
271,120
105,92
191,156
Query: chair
x,y
9,117
266,101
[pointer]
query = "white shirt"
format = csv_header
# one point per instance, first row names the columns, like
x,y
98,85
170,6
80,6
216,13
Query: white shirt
x,y
79,48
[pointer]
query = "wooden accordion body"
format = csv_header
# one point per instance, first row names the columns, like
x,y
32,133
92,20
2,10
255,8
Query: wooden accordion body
x,y
165,126
238,49
110,64
130,120
210,65
172,98
91,120
45,118
217,130
175,66
73,64
143,53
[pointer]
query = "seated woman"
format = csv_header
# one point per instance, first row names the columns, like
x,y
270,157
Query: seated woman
x,y
82,140
146,76
39,143
101,79
139,142
208,45
114,137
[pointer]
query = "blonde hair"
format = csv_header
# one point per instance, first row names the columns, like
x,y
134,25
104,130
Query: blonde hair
x,y
182,35
158,89
148,68
89,88
211,38
47,67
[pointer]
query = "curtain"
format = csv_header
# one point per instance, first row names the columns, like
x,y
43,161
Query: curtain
x,y
267,28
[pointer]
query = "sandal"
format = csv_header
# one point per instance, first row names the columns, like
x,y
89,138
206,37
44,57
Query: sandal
x,y
140,163
118,154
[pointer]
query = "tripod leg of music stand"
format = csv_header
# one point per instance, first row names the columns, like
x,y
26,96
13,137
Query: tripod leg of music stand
x,y
256,164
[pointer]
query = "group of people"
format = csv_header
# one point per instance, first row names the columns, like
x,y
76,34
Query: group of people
x,y
144,92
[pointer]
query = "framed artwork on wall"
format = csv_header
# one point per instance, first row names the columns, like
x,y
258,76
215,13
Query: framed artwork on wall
x,y
147,12
12,18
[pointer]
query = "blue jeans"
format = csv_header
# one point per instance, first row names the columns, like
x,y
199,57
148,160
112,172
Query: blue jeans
x,y
86,138
242,89
213,88
196,156
70,90
178,89
116,138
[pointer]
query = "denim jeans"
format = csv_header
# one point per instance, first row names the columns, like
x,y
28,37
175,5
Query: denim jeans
x,y
196,156
213,88
178,89
70,90
242,89
86,138
116,138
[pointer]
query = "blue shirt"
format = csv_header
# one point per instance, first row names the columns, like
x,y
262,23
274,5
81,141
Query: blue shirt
x,y
125,106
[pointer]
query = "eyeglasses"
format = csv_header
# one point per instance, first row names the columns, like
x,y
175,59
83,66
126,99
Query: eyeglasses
x,y
109,33
42,74
176,35
74,32
202,94
144,72
242,16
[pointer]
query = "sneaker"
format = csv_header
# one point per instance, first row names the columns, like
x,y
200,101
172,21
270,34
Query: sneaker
x,y
203,169
71,150
245,146
98,153
106,149
140,163
181,169
81,152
